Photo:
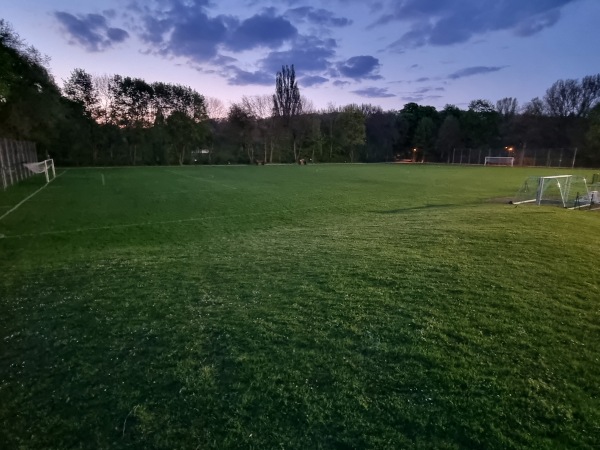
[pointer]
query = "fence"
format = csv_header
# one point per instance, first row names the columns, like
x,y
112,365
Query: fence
x,y
12,156
545,157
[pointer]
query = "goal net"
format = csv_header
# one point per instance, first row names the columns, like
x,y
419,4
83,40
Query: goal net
x,y
499,161
568,191
46,167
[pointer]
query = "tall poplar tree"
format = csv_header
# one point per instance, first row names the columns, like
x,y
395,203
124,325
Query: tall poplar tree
x,y
287,104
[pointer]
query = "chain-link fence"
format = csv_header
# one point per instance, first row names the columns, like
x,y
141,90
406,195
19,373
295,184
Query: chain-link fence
x,y
545,157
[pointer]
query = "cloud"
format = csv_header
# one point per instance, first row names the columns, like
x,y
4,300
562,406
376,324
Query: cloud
x,y
420,98
262,30
309,54
470,71
374,92
312,80
91,31
186,29
449,22
238,77
360,67
320,17
341,83
425,90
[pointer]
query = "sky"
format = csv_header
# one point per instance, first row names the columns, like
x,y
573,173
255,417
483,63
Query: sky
x,y
382,52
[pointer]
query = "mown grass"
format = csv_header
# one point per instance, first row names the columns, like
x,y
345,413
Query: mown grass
x,y
366,306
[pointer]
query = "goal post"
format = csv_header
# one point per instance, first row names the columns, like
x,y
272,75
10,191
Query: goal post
x,y
568,191
46,167
499,161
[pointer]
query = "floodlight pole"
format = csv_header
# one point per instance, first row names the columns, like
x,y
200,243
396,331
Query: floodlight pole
x,y
574,156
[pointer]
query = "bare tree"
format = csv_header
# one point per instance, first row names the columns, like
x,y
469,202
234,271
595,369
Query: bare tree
x,y
215,108
507,107
105,99
563,98
259,106
286,101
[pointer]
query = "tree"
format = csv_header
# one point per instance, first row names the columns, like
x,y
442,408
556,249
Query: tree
x,y
287,104
449,137
592,148
479,125
352,130
424,138
243,125
572,98
31,106
185,134
507,107
286,101
215,108
80,89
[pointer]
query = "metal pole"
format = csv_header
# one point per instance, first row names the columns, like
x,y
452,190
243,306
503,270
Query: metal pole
x,y
574,156
560,158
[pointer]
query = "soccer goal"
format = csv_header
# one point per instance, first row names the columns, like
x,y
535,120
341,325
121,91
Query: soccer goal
x,y
568,191
46,167
499,161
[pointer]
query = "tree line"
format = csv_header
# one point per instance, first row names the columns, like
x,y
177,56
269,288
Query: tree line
x,y
121,120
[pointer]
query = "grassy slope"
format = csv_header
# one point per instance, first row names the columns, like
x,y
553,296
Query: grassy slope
x,y
296,307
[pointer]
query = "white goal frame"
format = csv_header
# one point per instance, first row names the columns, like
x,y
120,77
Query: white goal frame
x,y
563,183
499,161
44,167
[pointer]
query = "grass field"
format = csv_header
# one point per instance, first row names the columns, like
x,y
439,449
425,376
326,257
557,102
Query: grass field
x,y
362,306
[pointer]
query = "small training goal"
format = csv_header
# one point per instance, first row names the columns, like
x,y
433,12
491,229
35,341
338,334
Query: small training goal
x,y
499,161
46,167
568,191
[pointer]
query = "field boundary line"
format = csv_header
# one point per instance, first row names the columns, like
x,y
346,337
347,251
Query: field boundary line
x,y
14,208
200,179
146,224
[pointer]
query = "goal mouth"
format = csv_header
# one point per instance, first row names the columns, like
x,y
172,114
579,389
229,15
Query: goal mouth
x,y
499,161
568,191
46,167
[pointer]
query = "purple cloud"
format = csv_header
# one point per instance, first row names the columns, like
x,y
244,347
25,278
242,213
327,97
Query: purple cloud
x,y
321,17
360,67
263,30
374,92
455,21
312,80
470,71
91,31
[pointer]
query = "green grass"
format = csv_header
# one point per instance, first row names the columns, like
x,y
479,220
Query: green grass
x,y
364,306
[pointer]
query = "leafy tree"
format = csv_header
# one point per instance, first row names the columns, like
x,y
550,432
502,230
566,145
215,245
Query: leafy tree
x,y
480,125
592,148
382,135
449,137
31,106
79,88
352,132
243,126
185,135
424,139
411,116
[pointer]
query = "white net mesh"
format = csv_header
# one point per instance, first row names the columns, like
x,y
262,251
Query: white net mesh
x,y
567,191
38,167
45,167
